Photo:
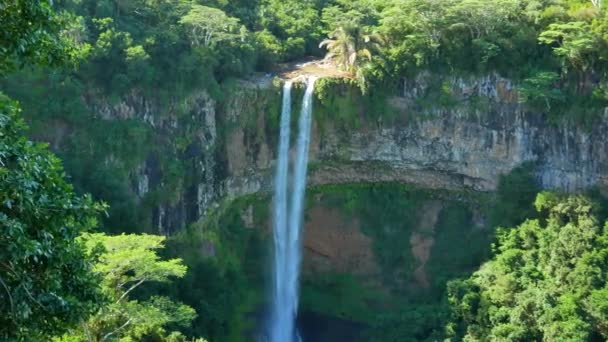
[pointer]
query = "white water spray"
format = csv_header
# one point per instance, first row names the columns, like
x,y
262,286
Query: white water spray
x,y
288,219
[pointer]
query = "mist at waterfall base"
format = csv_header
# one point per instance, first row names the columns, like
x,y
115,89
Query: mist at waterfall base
x,y
288,217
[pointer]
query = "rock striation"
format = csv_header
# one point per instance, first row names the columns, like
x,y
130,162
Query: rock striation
x,y
484,133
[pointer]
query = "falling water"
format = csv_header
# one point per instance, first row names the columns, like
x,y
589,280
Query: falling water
x,y
287,224
279,316
299,187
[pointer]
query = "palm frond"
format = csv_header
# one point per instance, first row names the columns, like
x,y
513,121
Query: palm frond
x,y
365,53
347,45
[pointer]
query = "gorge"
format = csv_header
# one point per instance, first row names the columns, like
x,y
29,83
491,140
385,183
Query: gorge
x,y
434,171
460,146
164,177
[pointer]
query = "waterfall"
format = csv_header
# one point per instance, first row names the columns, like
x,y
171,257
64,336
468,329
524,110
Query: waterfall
x,y
294,252
279,314
288,218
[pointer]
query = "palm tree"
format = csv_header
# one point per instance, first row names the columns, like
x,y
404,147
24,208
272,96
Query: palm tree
x,y
347,46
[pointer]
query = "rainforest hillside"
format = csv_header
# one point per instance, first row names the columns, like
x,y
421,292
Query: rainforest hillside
x,y
457,176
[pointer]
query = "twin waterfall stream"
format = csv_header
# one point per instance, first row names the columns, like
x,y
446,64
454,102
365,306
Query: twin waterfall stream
x,y
288,207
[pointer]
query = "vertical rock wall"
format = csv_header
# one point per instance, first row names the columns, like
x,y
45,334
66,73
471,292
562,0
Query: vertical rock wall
x,y
483,133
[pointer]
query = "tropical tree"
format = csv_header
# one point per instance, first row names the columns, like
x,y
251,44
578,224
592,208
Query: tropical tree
x,y
411,33
46,281
207,25
29,34
125,262
349,46
540,90
547,281
574,43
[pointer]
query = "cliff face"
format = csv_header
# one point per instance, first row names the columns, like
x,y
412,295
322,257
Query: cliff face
x,y
177,174
481,133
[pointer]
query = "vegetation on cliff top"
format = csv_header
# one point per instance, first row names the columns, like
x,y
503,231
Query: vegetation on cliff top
x,y
169,48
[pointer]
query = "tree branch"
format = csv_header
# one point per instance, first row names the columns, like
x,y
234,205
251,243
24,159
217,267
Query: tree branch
x,y
131,289
29,294
7,267
87,332
8,292
115,331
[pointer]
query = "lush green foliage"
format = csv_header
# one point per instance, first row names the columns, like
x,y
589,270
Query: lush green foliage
x,y
547,280
514,198
220,39
47,284
46,281
126,262
349,46
29,34
168,49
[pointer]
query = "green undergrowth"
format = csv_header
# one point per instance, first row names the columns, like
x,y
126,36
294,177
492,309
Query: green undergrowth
x,y
440,93
398,306
340,295
389,213
582,110
341,103
227,264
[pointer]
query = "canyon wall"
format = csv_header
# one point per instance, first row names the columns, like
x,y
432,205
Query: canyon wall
x,y
462,134
463,145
